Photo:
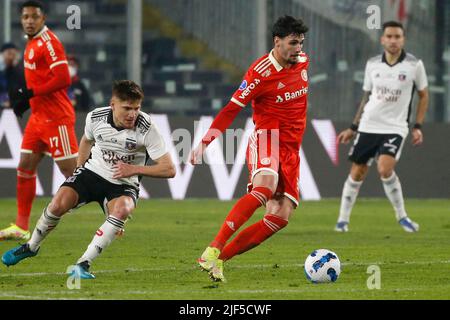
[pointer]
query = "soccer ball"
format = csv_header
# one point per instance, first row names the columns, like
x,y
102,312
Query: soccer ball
x,y
322,265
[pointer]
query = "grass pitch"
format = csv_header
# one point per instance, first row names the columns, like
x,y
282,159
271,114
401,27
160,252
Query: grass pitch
x,y
156,257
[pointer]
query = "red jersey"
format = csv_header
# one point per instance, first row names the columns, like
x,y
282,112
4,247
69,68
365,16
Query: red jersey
x,y
43,56
278,95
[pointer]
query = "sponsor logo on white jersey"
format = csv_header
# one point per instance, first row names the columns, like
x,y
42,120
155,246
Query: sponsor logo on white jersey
x,y
388,94
112,157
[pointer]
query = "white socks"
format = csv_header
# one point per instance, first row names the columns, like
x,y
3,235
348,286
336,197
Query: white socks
x,y
349,194
102,239
393,190
46,223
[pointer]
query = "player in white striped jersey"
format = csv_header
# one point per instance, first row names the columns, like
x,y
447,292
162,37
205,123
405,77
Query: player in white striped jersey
x,y
113,152
382,123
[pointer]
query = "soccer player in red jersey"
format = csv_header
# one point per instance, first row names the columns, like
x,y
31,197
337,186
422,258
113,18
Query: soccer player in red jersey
x,y
51,126
277,86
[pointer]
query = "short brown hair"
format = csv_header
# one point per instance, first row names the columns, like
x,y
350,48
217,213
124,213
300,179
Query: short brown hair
x,y
393,24
127,90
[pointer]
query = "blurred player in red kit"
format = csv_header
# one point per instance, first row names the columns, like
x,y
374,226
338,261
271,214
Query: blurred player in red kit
x,y
277,86
51,126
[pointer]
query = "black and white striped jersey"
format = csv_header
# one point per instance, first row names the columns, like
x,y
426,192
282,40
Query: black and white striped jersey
x,y
112,145
392,88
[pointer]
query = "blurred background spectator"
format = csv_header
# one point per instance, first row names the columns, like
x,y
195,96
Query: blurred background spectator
x,y
11,72
78,93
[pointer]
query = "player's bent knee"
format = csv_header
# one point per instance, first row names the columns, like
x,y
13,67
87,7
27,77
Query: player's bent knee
x,y
57,207
287,209
122,209
385,172
65,199
272,206
121,213
358,172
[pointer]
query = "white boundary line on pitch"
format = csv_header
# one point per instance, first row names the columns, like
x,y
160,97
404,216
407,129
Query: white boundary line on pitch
x,y
309,289
126,270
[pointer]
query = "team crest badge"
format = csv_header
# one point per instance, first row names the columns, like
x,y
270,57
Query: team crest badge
x,y
304,75
130,144
402,77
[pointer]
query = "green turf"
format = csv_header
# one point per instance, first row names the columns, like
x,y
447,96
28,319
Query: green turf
x,y
156,258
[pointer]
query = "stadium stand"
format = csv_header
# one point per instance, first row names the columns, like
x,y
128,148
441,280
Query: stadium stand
x,y
193,66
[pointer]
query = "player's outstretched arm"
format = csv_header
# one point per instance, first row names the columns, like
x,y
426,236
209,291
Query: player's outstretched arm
x,y
163,168
84,150
222,121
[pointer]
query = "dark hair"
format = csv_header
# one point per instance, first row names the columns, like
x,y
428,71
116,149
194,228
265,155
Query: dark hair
x,y
8,45
288,25
127,90
34,4
393,24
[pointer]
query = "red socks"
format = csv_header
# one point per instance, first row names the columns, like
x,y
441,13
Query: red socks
x,y
240,213
253,236
26,191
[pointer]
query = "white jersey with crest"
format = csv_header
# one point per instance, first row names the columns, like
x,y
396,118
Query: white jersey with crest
x,y
392,88
132,146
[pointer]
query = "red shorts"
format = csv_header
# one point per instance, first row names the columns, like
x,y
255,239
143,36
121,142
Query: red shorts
x,y
57,140
264,154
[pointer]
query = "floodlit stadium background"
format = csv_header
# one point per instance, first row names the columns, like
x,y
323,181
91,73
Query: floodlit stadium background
x,y
190,55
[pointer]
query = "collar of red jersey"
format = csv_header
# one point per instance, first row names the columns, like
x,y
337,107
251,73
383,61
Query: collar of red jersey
x,y
276,64
37,35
